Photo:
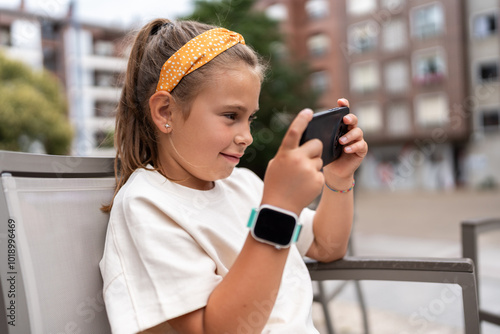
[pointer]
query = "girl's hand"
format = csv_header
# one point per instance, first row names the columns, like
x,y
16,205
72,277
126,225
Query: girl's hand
x,y
293,177
355,149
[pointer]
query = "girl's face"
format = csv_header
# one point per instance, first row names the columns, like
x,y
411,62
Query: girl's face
x,y
208,144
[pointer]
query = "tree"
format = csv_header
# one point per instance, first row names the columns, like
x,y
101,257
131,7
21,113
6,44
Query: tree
x,y
32,108
285,90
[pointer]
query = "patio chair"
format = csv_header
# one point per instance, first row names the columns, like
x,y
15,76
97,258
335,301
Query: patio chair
x,y
51,281
471,229
49,206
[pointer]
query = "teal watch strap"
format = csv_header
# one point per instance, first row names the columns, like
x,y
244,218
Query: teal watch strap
x,y
253,217
296,233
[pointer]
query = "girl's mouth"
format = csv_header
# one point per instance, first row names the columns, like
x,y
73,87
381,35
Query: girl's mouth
x,y
234,158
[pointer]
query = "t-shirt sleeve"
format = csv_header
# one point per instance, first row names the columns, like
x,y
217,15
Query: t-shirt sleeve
x,y
306,236
166,272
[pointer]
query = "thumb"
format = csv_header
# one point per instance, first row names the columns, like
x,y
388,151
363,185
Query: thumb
x,y
296,129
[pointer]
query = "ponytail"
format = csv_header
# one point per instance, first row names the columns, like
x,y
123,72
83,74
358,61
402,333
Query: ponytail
x,y
135,140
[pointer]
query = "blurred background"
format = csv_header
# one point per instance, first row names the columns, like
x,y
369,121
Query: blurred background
x,y
421,75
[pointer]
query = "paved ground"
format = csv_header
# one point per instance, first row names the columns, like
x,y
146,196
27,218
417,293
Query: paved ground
x,y
418,224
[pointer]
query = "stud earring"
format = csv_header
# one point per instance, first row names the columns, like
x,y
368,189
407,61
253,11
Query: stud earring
x,y
167,126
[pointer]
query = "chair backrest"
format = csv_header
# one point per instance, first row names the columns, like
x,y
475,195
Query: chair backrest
x,y
52,234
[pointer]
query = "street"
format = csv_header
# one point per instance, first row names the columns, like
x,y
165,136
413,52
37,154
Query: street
x,y
417,224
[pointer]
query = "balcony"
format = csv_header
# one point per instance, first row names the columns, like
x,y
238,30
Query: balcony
x,y
429,79
112,64
102,93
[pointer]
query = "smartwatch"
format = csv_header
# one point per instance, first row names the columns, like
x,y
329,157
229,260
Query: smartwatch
x,y
274,226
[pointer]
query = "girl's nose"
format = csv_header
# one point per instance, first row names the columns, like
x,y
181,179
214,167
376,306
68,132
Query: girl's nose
x,y
244,136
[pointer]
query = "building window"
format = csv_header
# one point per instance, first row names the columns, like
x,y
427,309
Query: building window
x,y
277,12
105,79
364,77
363,37
50,58
317,9
320,81
393,5
428,21
490,120
399,120
105,109
5,36
396,76
394,35
104,48
104,139
429,67
318,45
431,110
484,25
50,31
369,117
360,7
488,72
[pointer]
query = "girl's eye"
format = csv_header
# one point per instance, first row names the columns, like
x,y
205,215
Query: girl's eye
x,y
234,116
231,116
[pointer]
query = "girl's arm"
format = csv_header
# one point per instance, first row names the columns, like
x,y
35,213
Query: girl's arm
x,y
249,290
246,294
334,215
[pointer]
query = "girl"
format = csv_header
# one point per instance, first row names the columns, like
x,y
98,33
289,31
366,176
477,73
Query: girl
x,y
179,257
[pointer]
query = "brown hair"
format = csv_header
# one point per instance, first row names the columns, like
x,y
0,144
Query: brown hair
x,y
135,134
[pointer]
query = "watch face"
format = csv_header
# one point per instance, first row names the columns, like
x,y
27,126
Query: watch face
x,y
274,226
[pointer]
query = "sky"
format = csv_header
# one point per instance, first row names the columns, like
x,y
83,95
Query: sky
x,y
108,12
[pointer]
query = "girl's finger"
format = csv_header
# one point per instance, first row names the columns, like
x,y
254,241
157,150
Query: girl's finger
x,y
294,132
355,134
360,148
342,102
313,148
318,163
351,120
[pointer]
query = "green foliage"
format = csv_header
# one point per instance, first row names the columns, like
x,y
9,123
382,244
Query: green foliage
x,y
32,108
284,91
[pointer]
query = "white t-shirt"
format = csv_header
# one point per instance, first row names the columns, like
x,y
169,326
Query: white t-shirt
x,y
168,246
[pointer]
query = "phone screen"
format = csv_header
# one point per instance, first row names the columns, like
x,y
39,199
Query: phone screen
x,y
328,127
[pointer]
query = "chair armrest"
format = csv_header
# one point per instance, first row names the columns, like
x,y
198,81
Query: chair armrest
x,y
392,269
435,270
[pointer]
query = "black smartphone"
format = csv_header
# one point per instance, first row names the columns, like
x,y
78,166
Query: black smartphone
x,y
327,126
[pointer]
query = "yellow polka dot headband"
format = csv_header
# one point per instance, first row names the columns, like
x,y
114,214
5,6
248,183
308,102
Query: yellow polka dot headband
x,y
194,54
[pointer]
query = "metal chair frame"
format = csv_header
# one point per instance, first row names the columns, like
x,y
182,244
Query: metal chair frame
x,y
471,229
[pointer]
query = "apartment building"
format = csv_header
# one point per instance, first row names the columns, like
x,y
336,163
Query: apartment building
x,y
483,153
88,59
314,31
421,75
403,66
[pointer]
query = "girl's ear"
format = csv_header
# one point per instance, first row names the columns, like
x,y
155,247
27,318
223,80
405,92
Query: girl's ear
x,y
161,108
